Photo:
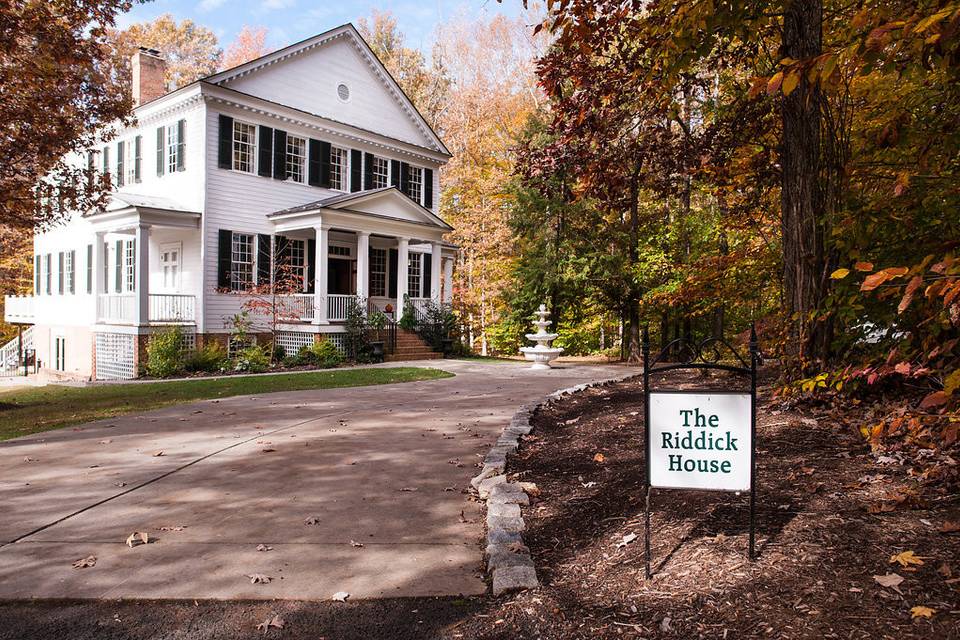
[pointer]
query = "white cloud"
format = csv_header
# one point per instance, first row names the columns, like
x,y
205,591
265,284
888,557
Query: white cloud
x,y
273,5
209,5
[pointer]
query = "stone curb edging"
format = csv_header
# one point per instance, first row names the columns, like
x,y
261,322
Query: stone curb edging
x,y
509,563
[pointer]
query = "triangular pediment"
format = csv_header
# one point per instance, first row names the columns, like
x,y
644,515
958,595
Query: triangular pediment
x,y
311,76
387,203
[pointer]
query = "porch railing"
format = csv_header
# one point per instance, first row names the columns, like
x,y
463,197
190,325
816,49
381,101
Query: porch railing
x,y
18,308
338,305
297,306
122,307
172,308
420,306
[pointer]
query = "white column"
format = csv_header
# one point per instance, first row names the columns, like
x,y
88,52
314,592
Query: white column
x,y
448,281
363,265
403,268
435,272
321,261
98,272
142,274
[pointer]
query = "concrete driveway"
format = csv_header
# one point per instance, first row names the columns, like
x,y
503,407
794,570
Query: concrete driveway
x,y
379,472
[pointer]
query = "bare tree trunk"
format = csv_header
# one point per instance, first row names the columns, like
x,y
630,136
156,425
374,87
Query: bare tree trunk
x,y
633,302
803,218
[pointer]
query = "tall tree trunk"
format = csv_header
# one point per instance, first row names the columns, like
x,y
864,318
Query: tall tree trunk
x,y
802,203
634,354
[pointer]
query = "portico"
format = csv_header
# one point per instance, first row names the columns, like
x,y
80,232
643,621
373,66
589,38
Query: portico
x,y
379,246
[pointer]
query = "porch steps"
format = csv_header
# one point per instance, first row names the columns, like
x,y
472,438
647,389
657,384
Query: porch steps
x,y
411,347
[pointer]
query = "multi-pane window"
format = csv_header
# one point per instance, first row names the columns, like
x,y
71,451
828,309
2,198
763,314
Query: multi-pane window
x,y
338,168
129,266
130,161
415,184
378,272
244,147
173,147
413,275
340,250
381,172
241,262
298,263
68,271
296,158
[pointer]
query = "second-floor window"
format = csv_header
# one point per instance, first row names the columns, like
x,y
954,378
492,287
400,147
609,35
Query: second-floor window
x,y
241,262
173,147
338,168
381,172
68,271
415,184
131,163
244,147
296,158
378,272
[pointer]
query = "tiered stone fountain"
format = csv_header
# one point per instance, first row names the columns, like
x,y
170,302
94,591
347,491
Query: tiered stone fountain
x,y
542,354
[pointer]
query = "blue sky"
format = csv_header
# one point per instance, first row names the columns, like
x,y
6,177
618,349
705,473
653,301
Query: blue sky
x,y
288,21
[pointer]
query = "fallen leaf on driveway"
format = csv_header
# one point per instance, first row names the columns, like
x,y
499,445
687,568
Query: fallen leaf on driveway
x,y
340,596
29,459
891,580
83,563
176,528
355,544
408,489
105,441
259,578
906,558
269,450
275,622
157,454
922,612
138,537
264,547
312,520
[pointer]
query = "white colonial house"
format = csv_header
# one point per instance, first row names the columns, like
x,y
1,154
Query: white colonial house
x,y
311,157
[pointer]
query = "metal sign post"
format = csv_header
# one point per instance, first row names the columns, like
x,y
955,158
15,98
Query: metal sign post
x,y
695,438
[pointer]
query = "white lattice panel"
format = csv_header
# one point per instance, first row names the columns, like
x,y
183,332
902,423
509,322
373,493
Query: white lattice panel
x,y
293,341
115,356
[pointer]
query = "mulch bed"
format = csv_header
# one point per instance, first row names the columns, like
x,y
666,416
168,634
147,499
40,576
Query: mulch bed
x,y
830,518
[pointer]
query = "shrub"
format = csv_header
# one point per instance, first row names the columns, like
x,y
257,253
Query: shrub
x,y
322,354
409,319
252,359
279,353
165,353
211,358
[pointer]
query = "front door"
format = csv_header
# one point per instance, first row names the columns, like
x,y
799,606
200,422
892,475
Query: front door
x,y
170,266
340,280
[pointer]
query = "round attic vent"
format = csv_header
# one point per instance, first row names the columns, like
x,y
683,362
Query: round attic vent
x,y
343,91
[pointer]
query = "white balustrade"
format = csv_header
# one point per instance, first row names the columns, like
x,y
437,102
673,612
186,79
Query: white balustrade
x,y
18,308
298,306
172,308
420,306
116,307
338,305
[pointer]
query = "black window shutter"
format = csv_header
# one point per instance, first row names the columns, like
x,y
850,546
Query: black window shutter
x,y
73,271
356,170
395,173
224,258
106,268
427,268
36,275
60,272
181,144
48,263
160,166
137,158
313,168
120,163
405,178
428,188
89,268
394,263
280,154
263,259
106,161
225,146
91,166
265,163
325,165
368,171
118,268
311,265
280,248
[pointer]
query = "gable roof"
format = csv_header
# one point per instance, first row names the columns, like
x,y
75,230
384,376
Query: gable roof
x,y
347,202
349,31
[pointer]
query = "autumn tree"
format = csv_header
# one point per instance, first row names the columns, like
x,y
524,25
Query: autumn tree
x,y
58,89
249,44
191,50
424,83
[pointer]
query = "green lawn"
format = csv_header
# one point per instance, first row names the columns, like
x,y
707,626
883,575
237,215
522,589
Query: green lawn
x,y
24,411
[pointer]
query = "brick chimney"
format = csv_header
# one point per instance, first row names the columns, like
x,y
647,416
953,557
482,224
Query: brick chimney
x,y
148,68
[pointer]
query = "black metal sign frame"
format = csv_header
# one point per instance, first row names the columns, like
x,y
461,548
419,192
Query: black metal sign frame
x,y
704,355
